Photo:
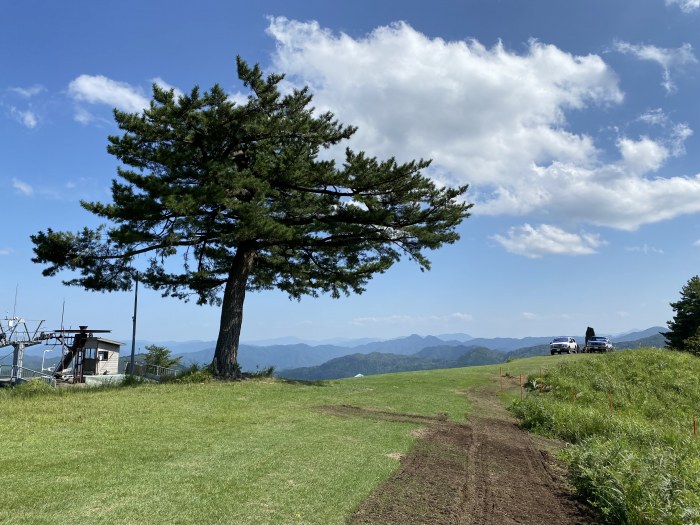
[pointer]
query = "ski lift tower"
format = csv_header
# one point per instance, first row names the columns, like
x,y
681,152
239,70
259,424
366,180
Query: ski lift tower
x,y
15,332
80,347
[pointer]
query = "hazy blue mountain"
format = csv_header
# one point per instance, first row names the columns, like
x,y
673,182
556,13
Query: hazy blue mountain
x,y
478,356
462,338
637,335
382,363
529,351
446,352
653,341
338,341
507,344
403,345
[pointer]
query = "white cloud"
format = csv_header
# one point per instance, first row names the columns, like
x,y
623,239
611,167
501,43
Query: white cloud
x,y
530,316
645,249
28,92
687,6
655,116
99,89
5,251
611,196
22,187
238,98
534,242
668,59
641,156
83,116
480,113
494,119
27,118
677,132
459,316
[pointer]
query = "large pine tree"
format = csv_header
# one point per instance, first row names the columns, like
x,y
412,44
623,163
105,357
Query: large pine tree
x,y
240,193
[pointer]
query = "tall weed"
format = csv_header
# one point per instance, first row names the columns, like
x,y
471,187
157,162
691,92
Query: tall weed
x,y
628,416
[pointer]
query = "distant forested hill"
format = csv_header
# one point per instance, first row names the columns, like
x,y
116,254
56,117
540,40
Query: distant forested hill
x,y
441,356
382,363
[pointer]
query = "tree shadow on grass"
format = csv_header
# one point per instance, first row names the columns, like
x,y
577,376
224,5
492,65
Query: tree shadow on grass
x,y
302,382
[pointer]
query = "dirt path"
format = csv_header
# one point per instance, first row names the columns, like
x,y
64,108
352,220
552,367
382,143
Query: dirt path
x,y
484,472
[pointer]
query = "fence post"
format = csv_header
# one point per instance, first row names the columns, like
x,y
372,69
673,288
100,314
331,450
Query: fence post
x,y
500,378
521,387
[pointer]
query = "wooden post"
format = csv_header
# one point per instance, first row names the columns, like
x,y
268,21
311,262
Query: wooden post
x,y
500,378
540,374
521,387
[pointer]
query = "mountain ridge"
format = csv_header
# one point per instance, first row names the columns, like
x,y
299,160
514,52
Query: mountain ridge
x,y
300,355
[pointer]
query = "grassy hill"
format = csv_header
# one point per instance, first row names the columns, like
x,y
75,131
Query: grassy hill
x,y
265,451
630,417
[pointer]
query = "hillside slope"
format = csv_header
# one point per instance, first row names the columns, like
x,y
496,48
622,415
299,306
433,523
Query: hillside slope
x,y
631,419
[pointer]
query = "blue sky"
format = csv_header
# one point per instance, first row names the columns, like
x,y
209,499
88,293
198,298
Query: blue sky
x,y
576,125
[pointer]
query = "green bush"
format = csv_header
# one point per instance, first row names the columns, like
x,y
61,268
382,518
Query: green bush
x,y
195,374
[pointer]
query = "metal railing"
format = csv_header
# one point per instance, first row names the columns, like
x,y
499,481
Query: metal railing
x,y
153,370
22,374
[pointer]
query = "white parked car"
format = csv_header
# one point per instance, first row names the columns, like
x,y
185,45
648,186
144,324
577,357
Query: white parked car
x,y
564,344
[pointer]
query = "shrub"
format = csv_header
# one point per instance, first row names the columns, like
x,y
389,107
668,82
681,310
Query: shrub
x,y
195,374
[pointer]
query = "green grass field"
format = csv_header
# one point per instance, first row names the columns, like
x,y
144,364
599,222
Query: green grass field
x,y
253,452
261,452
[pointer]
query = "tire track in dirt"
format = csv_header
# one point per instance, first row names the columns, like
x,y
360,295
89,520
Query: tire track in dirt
x,y
486,471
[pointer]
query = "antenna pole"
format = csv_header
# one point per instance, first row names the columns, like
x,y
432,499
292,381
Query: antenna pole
x,y
14,309
133,333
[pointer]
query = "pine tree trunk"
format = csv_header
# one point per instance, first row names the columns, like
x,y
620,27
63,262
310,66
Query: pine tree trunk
x,y
225,362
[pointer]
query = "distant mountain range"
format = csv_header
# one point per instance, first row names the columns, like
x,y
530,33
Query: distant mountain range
x,y
346,358
444,356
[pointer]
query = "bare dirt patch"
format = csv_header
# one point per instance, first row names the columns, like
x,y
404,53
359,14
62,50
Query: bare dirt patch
x,y
484,472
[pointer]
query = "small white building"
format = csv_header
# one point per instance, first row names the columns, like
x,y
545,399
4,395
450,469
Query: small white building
x,y
101,356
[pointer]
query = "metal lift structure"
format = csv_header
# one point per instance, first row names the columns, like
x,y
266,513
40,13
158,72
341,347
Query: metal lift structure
x,y
73,344
16,332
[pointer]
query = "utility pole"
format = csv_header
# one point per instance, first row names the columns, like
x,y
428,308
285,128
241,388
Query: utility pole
x,y
133,332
